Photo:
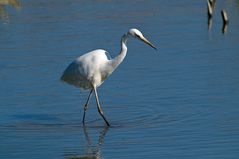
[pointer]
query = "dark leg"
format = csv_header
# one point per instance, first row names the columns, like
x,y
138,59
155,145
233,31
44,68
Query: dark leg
x,y
86,105
99,108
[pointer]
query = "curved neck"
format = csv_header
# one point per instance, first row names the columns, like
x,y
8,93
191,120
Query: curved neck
x,y
120,57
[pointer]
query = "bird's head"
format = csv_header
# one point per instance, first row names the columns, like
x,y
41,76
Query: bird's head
x,y
138,35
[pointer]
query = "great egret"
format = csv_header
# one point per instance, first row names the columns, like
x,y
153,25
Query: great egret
x,y
90,70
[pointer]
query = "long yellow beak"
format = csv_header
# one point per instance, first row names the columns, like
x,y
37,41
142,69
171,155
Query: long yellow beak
x,y
147,42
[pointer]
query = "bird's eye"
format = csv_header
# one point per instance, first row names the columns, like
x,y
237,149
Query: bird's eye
x,y
137,35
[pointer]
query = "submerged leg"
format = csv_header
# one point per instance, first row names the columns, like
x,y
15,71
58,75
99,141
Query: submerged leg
x,y
86,106
99,108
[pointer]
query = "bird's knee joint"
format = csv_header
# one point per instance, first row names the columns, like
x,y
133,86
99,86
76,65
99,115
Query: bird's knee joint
x,y
100,112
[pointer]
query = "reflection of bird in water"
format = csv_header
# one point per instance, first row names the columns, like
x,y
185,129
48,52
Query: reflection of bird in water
x,y
91,69
93,152
13,3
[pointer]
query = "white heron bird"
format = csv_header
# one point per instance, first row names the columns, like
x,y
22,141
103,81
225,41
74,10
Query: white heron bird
x,y
90,70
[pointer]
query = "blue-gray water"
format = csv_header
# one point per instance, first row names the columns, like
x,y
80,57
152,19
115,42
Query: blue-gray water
x,y
181,101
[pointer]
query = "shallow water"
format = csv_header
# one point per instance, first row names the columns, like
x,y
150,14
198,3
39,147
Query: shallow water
x,y
178,102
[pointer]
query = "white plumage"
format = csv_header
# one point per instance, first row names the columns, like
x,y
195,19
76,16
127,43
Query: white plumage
x,y
91,69
88,69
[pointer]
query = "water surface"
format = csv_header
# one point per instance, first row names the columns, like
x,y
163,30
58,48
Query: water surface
x,y
178,102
